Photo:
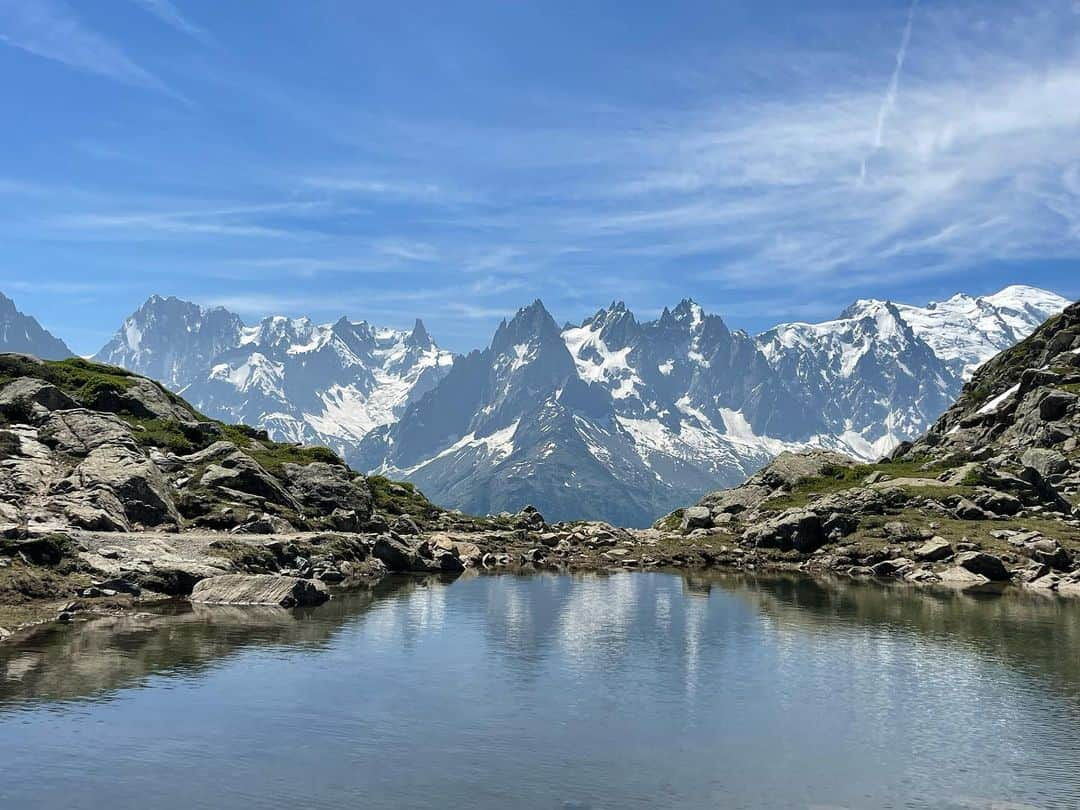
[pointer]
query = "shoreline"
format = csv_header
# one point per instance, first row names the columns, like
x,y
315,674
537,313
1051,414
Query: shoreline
x,y
148,569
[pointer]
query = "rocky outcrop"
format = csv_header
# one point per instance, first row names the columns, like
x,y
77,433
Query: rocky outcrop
x,y
239,476
120,472
322,489
988,495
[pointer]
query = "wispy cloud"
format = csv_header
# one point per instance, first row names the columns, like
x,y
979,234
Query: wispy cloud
x,y
889,101
169,14
228,221
51,30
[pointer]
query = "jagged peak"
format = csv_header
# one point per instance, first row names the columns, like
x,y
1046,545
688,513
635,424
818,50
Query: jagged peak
x,y
534,317
419,337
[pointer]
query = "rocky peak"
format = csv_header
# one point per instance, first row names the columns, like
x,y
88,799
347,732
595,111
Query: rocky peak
x,y
419,338
170,339
530,324
22,333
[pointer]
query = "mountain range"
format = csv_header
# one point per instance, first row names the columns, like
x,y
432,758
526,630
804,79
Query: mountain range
x,y
612,418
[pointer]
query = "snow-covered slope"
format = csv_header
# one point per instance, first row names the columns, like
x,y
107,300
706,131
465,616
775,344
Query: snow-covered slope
x,y
620,420
23,334
316,383
966,331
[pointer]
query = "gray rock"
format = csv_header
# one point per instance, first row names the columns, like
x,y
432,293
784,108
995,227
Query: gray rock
x,y
967,510
396,555
1046,462
346,520
265,524
131,478
799,529
530,518
1056,405
259,589
119,586
890,568
79,431
404,524
696,517
241,473
41,397
934,550
1047,551
322,488
958,575
987,565
1000,503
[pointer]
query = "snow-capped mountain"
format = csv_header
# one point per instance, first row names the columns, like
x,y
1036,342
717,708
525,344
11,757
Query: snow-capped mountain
x,y
515,424
317,383
22,333
966,331
172,341
619,419
611,418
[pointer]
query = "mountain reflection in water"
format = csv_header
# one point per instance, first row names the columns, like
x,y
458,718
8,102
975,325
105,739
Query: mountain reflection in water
x,y
628,690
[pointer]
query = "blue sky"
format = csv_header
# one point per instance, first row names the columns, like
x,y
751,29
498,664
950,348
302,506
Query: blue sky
x,y
772,159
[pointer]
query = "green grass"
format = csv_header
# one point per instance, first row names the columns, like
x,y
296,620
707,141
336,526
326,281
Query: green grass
x,y
82,379
166,434
1072,388
671,522
274,456
183,439
837,478
407,500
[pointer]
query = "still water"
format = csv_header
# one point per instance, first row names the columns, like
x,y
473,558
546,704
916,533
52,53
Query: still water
x,y
623,691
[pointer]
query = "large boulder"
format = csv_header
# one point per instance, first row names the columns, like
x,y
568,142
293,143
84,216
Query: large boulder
x,y
696,517
1045,462
239,472
396,554
37,397
143,398
934,550
529,518
1055,405
798,529
983,564
259,589
96,510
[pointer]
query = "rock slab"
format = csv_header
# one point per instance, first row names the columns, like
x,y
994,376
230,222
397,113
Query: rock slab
x,y
259,589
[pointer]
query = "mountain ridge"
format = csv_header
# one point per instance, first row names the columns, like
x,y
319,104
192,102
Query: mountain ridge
x,y
21,333
612,417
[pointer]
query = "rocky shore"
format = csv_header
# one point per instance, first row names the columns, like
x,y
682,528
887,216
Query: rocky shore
x,y
115,493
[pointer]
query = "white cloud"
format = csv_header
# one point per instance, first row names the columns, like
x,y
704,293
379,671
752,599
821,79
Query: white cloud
x,y
49,29
170,15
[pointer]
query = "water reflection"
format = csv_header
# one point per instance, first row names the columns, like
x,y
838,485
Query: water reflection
x,y
592,620
625,690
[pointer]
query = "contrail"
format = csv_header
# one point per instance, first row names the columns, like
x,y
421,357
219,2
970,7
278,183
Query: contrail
x,y
889,101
